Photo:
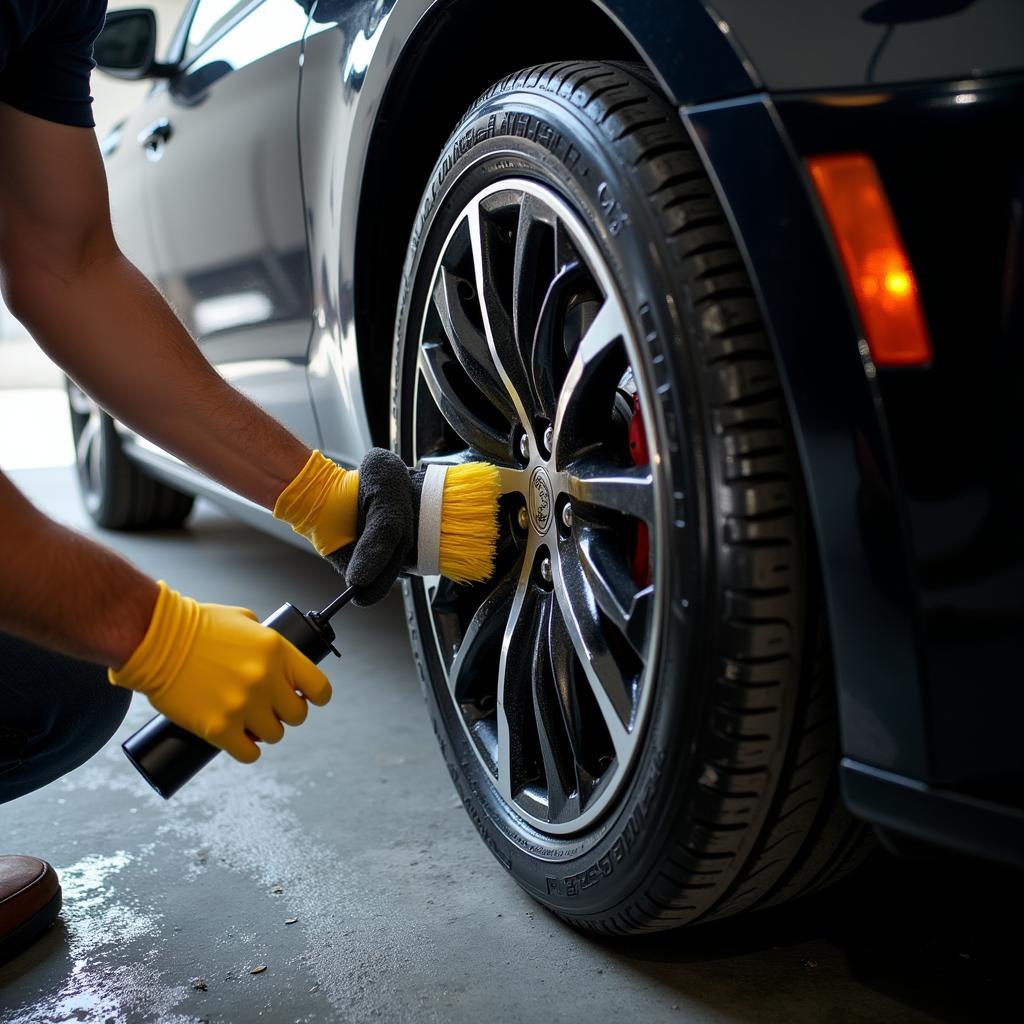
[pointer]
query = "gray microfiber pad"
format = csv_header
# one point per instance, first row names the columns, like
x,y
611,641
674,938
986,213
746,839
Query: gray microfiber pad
x,y
389,500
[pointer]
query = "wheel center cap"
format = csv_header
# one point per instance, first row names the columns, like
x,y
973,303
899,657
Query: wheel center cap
x,y
541,503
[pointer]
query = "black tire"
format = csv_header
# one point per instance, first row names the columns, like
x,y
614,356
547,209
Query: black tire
x,y
731,802
117,494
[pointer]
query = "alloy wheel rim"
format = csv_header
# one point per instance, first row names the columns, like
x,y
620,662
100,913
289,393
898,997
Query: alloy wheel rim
x,y
90,456
526,358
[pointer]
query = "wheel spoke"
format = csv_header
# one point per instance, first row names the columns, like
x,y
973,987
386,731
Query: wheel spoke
x,y
565,249
87,449
498,326
548,359
466,423
96,457
484,630
628,490
443,597
626,606
562,657
533,266
80,402
556,751
468,343
521,635
607,327
582,623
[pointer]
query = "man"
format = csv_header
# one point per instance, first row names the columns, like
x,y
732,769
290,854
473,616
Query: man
x,y
75,616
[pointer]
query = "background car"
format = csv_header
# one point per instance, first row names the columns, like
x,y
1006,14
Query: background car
x,y
734,298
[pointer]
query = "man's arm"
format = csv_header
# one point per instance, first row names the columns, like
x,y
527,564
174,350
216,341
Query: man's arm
x,y
62,591
100,320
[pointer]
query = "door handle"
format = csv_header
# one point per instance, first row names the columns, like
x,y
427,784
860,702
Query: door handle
x,y
153,137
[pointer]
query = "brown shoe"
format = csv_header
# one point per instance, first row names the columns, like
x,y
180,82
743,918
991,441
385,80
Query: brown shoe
x,y
30,900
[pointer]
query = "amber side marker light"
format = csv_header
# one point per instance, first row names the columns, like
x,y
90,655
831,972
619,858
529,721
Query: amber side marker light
x,y
875,261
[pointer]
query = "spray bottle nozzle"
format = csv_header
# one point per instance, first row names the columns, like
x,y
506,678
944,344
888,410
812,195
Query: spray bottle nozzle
x,y
320,620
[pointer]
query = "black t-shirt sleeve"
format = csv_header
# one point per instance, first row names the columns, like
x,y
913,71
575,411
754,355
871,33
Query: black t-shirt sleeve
x,y
46,73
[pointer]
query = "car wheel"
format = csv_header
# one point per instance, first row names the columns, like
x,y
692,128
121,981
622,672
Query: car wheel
x,y
637,710
116,493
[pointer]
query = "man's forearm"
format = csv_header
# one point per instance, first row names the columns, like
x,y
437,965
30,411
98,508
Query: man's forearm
x,y
104,323
109,328
62,591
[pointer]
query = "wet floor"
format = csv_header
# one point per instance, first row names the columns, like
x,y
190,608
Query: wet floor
x,y
340,880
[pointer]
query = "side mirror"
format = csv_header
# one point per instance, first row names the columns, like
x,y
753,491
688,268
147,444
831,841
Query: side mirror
x,y
126,47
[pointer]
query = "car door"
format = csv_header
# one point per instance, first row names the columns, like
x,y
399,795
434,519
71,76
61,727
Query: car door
x,y
225,202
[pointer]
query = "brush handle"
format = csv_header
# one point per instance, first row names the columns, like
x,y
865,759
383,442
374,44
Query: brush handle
x,y
428,528
167,755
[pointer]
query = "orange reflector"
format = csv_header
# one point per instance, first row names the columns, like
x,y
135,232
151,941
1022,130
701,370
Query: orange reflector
x,y
876,263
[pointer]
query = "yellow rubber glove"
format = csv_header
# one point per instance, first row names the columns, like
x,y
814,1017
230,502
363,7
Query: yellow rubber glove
x,y
321,504
216,671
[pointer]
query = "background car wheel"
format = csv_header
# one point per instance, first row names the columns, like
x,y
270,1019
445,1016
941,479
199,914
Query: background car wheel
x,y
116,493
637,710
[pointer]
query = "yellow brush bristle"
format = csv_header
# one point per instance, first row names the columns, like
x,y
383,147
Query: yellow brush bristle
x,y
469,522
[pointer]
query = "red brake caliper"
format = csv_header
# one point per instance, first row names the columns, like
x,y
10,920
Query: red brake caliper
x,y
638,453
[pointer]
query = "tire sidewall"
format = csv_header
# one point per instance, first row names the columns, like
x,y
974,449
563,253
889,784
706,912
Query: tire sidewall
x,y
519,133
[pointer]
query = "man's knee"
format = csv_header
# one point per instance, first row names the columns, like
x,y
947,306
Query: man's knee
x,y
59,712
89,714
106,711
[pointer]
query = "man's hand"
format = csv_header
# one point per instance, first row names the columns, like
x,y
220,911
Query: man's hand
x,y
386,528
216,671
364,523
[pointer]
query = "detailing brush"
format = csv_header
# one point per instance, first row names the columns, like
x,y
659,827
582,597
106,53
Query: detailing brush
x,y
457,531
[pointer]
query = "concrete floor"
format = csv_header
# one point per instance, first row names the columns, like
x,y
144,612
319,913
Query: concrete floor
x,y
351,828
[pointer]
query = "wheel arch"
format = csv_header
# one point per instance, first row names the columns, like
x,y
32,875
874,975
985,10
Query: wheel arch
x,y
689,58
839,423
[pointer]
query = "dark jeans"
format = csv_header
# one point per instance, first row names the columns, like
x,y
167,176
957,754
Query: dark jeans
x,y
55,713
